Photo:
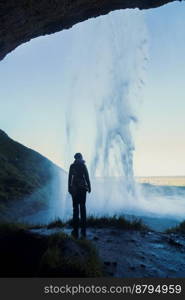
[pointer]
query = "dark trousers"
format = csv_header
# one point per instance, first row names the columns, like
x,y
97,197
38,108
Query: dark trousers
x,y
79,210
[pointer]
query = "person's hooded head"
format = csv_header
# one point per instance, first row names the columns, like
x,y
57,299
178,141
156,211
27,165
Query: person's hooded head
x,y
78,157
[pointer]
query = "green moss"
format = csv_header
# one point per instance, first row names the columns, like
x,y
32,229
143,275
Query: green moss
x,y
56,262
93,265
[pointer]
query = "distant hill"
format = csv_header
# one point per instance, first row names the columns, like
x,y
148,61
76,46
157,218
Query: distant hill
x,y
26,179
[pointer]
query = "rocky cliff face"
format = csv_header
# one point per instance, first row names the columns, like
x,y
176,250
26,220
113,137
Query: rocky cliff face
x,y
26,179
23,20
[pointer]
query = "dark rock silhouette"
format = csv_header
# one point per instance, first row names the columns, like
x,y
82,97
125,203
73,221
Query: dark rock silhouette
x,y
23,172
22,20
27,254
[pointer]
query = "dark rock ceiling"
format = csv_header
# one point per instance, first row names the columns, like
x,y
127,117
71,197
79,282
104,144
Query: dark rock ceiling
x,y
23,20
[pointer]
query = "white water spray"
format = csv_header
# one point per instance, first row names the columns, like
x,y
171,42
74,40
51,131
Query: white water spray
x,y
104,69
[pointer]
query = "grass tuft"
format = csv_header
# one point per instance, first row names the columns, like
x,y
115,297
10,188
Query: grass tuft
x,y
177,229
11,227
117,222
58,223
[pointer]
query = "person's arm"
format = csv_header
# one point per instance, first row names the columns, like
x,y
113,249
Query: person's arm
x,y
69,180
87,179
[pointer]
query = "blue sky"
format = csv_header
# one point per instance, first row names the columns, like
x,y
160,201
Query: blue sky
x,y
31,90
160,137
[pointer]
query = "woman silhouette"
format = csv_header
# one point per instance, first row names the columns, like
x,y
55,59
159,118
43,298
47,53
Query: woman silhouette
x,y
78,185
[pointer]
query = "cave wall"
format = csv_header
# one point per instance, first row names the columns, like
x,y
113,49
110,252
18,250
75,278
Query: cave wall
x,y
23,20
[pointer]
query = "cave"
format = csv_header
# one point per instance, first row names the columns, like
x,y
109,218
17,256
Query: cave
x,y
28,19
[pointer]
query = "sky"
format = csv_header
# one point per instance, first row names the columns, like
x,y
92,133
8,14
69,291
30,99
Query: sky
x,y
32,111
160,137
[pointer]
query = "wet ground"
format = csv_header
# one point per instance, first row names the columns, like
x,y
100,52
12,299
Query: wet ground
x,y
136,254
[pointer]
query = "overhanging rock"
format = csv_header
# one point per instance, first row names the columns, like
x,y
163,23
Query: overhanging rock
x,y
22,20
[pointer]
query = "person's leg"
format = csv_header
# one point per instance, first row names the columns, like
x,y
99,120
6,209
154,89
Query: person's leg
x,y
83,213
75,216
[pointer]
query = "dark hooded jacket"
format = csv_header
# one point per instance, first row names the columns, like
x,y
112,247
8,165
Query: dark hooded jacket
x,y
78,177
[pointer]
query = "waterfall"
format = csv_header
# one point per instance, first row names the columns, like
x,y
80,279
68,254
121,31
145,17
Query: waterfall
x,y
104,70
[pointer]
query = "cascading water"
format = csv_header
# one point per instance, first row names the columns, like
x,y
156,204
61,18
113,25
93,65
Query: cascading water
x,y
102,85
104,68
